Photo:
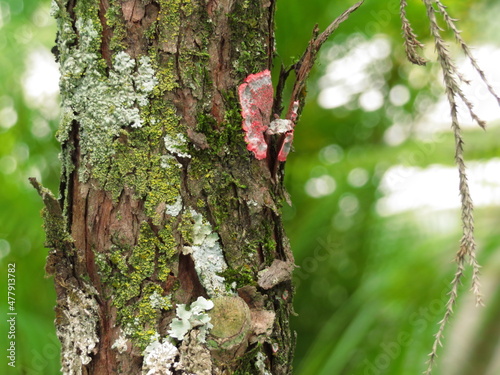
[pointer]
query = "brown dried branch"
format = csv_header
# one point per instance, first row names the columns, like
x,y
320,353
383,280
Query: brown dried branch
x,y
304,65
58,239
51,203
280,87
411,42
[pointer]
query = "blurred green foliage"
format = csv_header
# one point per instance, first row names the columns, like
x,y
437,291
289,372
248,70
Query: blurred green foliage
x,y
370,287
27,148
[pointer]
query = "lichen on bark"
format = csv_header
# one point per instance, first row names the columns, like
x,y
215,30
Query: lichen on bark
x,y
77,330
162,202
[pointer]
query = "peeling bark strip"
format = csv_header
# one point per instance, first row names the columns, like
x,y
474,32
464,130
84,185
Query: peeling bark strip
x,y
168,249
303,67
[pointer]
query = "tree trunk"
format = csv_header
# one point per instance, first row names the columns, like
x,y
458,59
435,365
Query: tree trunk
x,y
168,250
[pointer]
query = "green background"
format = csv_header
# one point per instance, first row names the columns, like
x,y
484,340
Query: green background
x,y
371,288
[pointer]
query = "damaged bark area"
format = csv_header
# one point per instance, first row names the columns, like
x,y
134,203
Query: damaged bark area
x,y
168,249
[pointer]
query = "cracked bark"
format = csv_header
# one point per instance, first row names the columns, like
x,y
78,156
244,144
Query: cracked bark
x,y
209,47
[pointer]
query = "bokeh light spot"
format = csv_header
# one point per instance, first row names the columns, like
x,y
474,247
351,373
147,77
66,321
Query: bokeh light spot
x,y
358,177
320,186
8,117
331,154
4,248
371,100
8,164
349,204
399,95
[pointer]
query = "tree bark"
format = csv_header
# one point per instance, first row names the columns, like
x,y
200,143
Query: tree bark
x,y
168,250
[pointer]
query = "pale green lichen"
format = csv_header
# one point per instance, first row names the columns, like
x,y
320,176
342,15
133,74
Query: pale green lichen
x,y
207,254
112,107
120,111
101,103
190,317
123,120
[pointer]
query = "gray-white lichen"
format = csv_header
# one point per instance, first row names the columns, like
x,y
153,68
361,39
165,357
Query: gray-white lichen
x,y
78,332
175,208
260,364
160,358
158,301
101,103
120,344
176,145
207,255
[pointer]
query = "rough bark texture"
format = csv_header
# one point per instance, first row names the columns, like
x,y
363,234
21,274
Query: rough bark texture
x,y
161,203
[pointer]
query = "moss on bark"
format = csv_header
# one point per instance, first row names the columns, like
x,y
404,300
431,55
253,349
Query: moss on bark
x,y
160,195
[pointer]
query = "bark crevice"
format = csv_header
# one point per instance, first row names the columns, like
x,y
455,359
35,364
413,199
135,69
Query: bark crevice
x,y
163,203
